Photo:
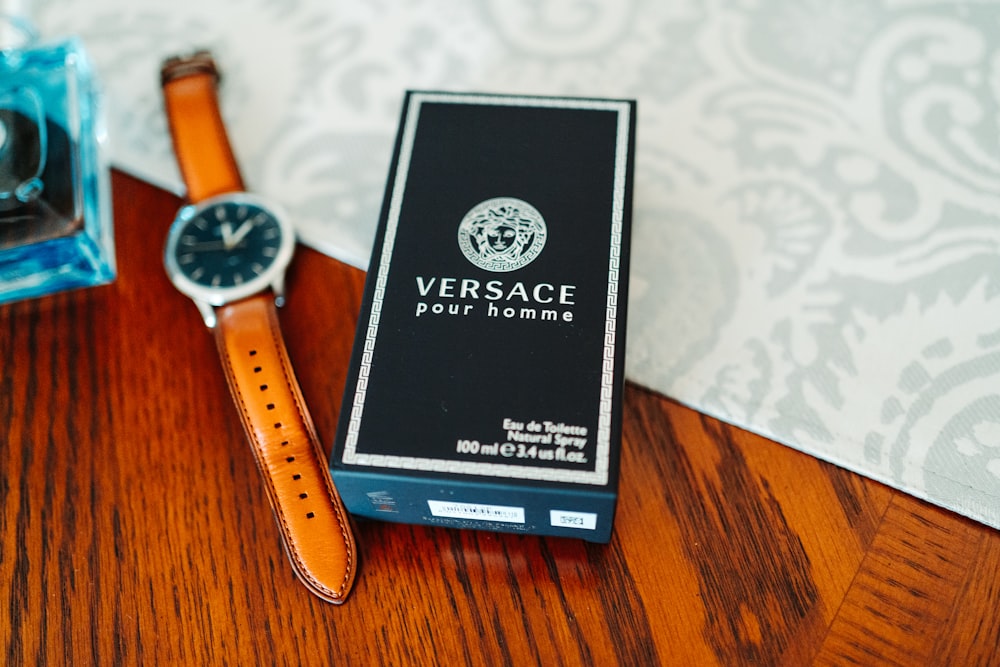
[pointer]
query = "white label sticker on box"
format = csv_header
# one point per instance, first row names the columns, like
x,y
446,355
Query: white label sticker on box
x,y
476,512
581,520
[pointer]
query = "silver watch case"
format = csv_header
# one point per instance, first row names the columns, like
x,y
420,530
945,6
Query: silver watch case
x,y
207,298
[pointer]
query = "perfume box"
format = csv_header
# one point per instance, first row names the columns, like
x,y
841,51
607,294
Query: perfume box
x,y
485,386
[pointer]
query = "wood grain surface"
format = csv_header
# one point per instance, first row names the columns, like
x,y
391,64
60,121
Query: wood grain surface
x,y
134,529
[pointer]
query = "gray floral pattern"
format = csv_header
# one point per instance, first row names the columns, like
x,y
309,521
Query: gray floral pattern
x,y
816,252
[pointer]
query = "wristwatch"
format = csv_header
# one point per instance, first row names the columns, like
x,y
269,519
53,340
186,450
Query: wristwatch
x,y
228,251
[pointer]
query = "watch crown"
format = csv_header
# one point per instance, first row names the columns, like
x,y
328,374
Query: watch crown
x,y
179,66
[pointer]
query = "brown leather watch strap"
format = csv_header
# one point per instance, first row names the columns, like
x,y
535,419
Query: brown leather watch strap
x,y
204,154
314,525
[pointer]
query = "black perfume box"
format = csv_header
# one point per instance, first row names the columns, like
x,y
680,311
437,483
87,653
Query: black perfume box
x,y
485,386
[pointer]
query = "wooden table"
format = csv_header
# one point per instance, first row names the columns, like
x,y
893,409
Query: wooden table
x,y
135,530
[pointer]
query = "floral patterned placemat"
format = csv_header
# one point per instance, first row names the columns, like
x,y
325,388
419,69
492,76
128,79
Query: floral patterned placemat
x,y
816,253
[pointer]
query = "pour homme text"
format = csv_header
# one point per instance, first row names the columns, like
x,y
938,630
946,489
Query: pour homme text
x,y
451,296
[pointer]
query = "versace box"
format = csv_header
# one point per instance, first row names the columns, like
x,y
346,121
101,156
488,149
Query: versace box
x,y
485,387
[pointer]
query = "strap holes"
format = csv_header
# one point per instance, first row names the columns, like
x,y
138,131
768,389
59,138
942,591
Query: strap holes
x,y
303,495
284,442
290,459
263,387
257,369
296,476
270,406
309,515
277,424
253,353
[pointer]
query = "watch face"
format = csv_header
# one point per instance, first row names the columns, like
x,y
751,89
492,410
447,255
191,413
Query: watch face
x,y
227,247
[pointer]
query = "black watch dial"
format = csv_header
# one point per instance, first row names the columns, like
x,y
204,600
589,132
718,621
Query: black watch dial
x,y
227,244
229,247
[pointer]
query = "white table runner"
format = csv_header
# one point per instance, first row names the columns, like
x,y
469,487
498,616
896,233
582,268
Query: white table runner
x,y
816,254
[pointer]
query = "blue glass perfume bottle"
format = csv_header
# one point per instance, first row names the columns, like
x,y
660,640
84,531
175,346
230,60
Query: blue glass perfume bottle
x,y
56,229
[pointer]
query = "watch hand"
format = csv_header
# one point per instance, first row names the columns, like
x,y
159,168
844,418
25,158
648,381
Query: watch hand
x,y
240,233
206,246
227,234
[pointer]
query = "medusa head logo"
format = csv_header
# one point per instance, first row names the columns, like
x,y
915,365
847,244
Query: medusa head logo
x,y
502,234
